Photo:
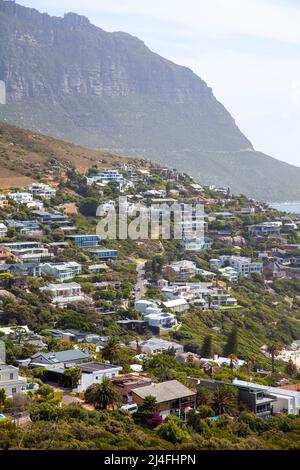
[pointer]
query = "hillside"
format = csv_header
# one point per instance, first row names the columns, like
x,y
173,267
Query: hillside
x,y
72,80
24,155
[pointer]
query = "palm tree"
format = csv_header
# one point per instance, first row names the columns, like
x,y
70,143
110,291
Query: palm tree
x,y
150,404
225,400
111,350
101,395
273,350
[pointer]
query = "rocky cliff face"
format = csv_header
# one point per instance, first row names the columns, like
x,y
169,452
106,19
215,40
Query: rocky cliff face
x,y
67,78
71,64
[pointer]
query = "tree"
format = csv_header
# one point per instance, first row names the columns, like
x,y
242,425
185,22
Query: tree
x,y
88,207
224,400
273,350
17,405
73,376
203,396
111,350
101,395
64,345
150,404
207,347
231,346
291,368
2,398
44,412
45,391
172,430
205,411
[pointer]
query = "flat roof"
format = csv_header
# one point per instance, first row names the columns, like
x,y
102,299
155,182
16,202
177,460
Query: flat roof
x,y
271,390
97,366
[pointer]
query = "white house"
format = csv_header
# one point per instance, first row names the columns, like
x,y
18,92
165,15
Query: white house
x,y
183,269
177,305
143,305
62,271
105,177
21,198
242,265
156,346
12,383
229,273
94,373
41,190
163,320
64,294
287,401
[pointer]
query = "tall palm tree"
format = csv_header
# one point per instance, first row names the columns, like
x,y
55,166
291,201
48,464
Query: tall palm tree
x,y
273,349
225,400
111,350
101,395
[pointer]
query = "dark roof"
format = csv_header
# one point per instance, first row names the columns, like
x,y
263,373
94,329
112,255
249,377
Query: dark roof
x,y
96,366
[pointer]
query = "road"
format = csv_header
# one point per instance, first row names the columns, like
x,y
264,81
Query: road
x,y
140,288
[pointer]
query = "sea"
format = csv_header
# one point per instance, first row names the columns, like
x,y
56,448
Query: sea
x,y
290,207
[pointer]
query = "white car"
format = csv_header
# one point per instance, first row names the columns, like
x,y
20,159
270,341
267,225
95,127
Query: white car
x,y
131,408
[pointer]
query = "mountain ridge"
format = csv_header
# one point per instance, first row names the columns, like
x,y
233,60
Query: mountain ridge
x,y
70,79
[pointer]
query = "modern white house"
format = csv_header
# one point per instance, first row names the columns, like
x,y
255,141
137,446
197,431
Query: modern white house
x,y
94,373
143,305
41,190
64,294
62,271
223,300
196,244
162,320
156,346
21,198
242,265
177,305
12,383
229,273
287,401
155,316
183,269
265,229
106,177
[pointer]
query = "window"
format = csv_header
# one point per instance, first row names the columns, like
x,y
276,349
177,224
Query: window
x,y
13,390
11,376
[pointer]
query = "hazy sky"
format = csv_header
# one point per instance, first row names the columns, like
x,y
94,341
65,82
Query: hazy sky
x,y
246,50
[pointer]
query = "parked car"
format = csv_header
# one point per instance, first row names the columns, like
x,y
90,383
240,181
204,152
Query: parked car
x,y
131,408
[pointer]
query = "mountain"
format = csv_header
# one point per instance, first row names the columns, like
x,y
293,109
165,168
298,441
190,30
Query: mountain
x,y
70,79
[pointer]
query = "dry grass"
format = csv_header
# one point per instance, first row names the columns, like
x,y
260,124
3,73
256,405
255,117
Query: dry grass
x,y
25,155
